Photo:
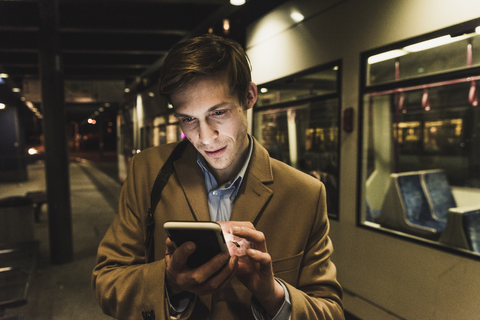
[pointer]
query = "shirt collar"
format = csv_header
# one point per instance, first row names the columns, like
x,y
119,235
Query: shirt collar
x,y
239,177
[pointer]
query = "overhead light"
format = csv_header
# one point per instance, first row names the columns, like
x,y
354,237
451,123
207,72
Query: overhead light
x,y
237,2
3,75
477,29
2,105
263,90
127,90
297,16
30,105
226,26
16,89
386,56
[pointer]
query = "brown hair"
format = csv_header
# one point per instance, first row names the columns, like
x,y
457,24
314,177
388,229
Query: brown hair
x,y
207,55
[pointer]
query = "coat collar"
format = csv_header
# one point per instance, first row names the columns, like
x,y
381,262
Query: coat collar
x,y
251,198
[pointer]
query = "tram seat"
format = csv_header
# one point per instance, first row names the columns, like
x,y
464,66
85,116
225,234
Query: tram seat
x,y
463,228
439,193
408,208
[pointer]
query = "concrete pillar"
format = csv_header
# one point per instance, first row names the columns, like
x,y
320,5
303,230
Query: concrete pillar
x,y
55,132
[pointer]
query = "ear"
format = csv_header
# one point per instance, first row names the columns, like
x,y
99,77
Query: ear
x,y
251,95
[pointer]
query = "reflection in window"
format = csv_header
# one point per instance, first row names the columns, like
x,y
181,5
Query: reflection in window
x,y
304,134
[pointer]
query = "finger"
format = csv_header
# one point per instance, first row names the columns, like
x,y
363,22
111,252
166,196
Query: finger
x,y
252,235
181,254
227,225
260,257
170,247
208,269
219,280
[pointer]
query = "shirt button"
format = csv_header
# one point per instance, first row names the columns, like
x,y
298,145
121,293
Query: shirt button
x,y
215,192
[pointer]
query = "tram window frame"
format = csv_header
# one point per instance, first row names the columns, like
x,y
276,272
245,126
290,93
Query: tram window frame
x,y
318,101
395,93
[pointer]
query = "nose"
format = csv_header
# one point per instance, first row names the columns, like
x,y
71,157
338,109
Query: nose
x,y
207,133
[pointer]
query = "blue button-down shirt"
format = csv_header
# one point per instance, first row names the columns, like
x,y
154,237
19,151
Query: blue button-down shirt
x,y
221,198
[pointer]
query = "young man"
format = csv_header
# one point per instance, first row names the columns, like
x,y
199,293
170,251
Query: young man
x,y
223,175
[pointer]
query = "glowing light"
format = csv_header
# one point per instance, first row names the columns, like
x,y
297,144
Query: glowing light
x,y
477,29
263,90
2,105
16,89
386,56
4,75
297,16
127,90
226,25
32,151
237,2
432,43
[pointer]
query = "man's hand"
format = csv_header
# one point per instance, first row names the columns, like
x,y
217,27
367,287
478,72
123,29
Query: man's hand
x,y
255,269
208,278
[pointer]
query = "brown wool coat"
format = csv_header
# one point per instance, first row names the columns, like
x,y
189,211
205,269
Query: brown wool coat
x,y
288,206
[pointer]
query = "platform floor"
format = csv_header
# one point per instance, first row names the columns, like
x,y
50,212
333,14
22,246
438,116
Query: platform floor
x,y
59,292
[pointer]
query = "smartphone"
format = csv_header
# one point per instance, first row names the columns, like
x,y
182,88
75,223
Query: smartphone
x,y
206,235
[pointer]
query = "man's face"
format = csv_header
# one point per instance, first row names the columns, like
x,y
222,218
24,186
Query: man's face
x,y
215,123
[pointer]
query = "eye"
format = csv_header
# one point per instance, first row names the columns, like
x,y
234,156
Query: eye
x,y
188,119
219,112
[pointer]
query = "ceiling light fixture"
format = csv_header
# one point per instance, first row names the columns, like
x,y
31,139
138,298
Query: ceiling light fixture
x,y
237,2
386,56
3,75
297,16
432,43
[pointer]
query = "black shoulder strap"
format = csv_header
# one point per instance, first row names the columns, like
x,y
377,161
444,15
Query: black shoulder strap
x,y
156,194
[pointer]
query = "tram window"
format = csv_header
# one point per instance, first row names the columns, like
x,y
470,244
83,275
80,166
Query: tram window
x,y
421,156
303,134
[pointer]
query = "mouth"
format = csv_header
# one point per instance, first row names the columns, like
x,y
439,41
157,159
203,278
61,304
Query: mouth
x,y
215,153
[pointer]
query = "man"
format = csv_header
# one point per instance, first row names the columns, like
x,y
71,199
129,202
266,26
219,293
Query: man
x,y
223,175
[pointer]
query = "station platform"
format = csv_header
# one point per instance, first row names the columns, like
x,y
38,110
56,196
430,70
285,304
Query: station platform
x,y
64,291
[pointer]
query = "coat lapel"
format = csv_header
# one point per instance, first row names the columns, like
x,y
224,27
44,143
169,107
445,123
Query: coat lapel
x,y
254,193
193,183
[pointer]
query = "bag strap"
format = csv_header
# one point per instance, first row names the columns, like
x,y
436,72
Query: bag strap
x,y
160,183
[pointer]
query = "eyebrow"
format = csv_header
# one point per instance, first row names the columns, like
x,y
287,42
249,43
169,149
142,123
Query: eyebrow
x,y
215,107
